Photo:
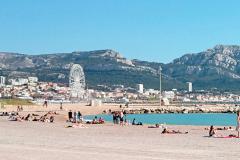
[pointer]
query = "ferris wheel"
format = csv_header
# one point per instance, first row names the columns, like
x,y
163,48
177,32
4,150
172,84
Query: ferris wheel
x,y
77,81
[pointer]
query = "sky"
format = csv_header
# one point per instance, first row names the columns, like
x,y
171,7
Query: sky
x,y
151,30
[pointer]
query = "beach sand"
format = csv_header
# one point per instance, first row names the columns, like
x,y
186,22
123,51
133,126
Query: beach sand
x,y
83,107
45,141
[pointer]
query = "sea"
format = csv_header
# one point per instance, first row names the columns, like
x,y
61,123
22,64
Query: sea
x,y
200,119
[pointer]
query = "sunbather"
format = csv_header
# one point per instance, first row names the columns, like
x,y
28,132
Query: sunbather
x,y
165,131
156,126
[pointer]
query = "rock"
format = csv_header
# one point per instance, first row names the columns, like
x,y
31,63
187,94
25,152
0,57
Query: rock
x,y
185,111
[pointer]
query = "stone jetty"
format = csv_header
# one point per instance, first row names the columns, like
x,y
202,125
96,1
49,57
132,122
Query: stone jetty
x,y
179,109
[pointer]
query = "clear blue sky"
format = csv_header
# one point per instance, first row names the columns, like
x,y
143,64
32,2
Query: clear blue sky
x,y
154,30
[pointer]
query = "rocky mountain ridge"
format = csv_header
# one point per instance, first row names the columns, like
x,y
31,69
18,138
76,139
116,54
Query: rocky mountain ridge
x,y
218,67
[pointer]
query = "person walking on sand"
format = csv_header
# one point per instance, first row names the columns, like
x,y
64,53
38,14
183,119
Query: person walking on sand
x,y
61,106
238,123
45,103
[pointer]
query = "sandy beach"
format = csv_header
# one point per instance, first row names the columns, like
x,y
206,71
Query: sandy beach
x,y
37,141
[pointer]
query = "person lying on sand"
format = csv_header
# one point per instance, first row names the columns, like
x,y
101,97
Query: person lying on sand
x,y
35,119
76,126
156,126
96,121
165,131
4,114
15,118
224,128
219,128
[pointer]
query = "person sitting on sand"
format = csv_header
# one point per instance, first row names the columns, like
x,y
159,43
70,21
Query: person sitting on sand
x,y
94,121
165,131
42,118
230,128
212,131
51,119
134,121
27,117
101,120
34,118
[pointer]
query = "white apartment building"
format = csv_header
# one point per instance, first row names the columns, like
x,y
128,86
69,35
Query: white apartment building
x,y
33,79
190,89
140,88
2,81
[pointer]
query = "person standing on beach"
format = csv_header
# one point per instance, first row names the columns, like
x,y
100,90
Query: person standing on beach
x,y
114,117
238,122
121,118
211,131
61,106
18,109
70,116
74,116
45,103
79,116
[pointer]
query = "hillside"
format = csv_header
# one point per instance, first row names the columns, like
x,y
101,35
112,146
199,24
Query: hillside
x,y
218,67
101,67
215,68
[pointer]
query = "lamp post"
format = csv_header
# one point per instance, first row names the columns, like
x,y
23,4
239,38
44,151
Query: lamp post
x,y
160,86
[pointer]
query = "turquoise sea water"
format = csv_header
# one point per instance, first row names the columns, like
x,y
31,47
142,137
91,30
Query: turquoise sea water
x,y
205,119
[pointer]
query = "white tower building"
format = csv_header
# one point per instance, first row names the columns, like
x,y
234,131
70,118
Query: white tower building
x,y
189,86
140,88
2,81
